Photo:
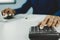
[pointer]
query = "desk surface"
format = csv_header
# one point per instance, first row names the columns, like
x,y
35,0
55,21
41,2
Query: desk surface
x,y
18,28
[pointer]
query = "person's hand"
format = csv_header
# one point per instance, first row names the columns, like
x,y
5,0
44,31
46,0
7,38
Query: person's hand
x,y
50,21
8,11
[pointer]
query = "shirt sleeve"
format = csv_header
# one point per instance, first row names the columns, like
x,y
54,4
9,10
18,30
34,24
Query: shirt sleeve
x,y
24,7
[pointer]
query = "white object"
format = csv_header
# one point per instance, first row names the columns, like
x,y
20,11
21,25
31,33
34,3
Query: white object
x,y
18,28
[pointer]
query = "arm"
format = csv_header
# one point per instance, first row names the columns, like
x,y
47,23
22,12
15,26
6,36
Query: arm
x,y
24,8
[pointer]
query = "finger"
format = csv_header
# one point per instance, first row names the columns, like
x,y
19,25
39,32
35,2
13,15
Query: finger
x,y
41,25
58,22
58,18
4,14
46,19
11,12
50,22
7,11
55,22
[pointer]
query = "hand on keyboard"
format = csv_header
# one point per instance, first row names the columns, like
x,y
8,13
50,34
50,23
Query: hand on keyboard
x,y
50,21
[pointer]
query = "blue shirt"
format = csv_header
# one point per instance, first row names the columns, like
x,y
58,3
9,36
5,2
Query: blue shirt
x,y
39,7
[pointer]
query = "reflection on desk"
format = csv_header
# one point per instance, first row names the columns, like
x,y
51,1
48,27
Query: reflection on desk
x,y
18,28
